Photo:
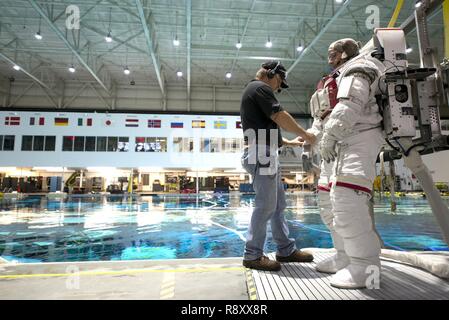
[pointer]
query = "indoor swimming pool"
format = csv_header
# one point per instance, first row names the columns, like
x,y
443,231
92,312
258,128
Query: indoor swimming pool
x,y
104,228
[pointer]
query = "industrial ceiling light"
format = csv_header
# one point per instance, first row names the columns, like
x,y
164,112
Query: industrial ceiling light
x,y
179,73
228,75
176,41
16,67
38,35
269,44
409,50
72,69
108,38
238,45
338,1
300,48
418,4
127,71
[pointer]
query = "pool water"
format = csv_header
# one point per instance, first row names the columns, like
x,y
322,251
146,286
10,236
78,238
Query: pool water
x,y
36,229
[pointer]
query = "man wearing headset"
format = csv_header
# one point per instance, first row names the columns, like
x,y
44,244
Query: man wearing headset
x,y
262,115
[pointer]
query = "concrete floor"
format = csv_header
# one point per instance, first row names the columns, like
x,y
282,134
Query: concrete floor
x,y
196,279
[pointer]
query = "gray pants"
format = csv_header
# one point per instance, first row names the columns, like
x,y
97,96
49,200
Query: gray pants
x,y
269,206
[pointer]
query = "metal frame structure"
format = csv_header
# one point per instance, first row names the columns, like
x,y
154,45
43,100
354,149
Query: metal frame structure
x,y
142,33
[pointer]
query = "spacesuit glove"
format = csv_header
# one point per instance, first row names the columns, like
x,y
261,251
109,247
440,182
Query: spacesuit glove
x,y
327,148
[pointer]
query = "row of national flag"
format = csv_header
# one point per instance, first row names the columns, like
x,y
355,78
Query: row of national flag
x,y
129,122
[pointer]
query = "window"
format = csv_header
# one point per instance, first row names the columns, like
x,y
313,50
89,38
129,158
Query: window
x,y
79,143
8,143
50,143
183,145
67,143
145,179
445,125
38,143
90,144
157,144
101,144
112,144
1,143
123,144
215,145
151,144
226,145
27,143
205,145
232,145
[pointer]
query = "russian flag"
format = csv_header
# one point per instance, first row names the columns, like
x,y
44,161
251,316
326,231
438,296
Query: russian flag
x,y
177,125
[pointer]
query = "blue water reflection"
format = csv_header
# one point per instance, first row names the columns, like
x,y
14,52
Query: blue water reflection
x,y
36,229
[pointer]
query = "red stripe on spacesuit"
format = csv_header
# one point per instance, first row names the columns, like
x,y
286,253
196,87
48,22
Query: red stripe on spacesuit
x,y
353,187
323,188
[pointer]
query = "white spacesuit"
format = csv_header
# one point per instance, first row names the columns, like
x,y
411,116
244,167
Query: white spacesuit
x,y
353,137
321,105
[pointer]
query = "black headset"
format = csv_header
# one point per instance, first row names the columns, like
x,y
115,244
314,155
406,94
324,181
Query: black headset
x,y
272,72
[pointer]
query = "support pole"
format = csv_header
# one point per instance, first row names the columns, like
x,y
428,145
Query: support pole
x,y
439,207
446,27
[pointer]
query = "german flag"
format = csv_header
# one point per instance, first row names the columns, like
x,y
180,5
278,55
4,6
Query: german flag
x,y
61,122
201,124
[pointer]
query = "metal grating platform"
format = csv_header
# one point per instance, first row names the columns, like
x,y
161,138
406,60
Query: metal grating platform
x,y
301,282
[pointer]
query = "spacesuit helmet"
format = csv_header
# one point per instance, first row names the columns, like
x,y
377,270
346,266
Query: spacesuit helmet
x,y
342,51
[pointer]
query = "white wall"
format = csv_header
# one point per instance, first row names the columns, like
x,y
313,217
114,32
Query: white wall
x,y
129,159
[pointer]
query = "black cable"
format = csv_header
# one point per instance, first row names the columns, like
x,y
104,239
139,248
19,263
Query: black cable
x,y
392,147
414,146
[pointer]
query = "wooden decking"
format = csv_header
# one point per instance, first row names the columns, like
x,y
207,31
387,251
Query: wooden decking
x,y
301,282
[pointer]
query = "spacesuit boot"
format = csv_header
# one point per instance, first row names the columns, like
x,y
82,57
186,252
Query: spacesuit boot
x,y
353,223
358,276
337,261
340,259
